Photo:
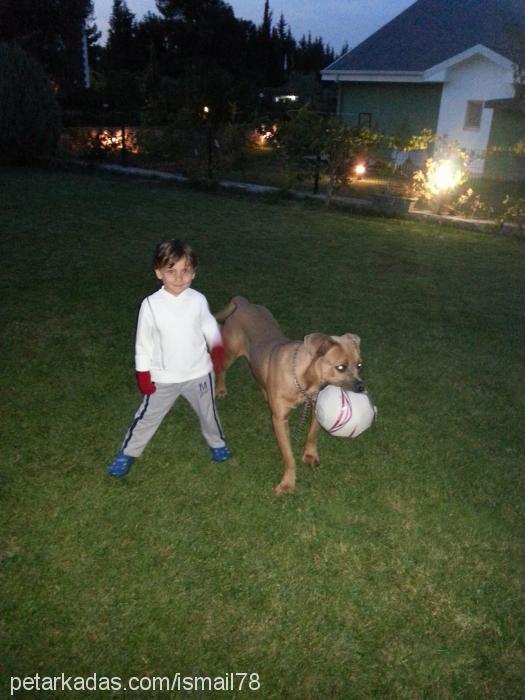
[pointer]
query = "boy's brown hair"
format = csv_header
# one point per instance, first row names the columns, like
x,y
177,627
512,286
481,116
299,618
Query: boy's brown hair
x,y
167,253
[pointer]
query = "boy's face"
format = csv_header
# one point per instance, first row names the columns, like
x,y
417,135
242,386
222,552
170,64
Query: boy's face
x,y
176,278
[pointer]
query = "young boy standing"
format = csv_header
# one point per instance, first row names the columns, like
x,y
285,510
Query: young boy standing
x,y
178,342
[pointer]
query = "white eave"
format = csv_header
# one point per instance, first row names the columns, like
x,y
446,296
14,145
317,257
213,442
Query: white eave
x,y
367,76
434,74
439,71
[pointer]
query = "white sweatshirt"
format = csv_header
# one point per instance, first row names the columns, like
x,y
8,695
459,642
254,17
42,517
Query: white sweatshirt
x,y
174,334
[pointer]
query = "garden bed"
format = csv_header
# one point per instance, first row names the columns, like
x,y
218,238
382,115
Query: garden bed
x,y
375,203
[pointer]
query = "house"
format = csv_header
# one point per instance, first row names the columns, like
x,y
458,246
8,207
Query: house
x,y
439,65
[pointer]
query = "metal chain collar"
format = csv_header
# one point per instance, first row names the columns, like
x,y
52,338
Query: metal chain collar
x,y
308,400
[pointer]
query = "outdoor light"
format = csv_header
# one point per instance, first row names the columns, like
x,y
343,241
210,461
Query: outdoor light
x,y
360,169
206,110
286,98
265,134
265,138
444,176
110,141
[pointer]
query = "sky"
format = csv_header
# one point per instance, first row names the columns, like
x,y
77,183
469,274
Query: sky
x,y
336,21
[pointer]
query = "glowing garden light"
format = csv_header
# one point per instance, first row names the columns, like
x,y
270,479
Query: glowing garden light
x,y
112,141
360,169
444,176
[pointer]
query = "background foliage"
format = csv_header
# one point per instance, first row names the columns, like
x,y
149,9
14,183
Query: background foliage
x,y
189,53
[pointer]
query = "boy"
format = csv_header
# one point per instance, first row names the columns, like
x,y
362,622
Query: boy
x,y
177,343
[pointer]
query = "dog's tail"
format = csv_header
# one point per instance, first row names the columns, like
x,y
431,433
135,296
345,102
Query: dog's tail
x,y
228,310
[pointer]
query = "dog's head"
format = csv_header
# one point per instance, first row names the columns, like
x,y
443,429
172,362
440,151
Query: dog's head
x,y
335,360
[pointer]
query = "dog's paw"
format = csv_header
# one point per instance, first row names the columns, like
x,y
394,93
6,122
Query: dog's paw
x,y
311,458
283,487
220,393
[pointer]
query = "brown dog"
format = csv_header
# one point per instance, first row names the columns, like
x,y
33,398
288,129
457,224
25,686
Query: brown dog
x,y
289,372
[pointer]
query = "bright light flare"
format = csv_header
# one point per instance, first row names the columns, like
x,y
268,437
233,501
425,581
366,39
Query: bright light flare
x,y
443,176
360,169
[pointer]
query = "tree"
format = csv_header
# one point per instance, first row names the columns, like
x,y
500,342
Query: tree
x,y
266,26
29,114
35,27
207,53
123,64
120,48
312,54
268,49
52,32
341,144
345,48
94,48
303,137
286,44
151,35
330,141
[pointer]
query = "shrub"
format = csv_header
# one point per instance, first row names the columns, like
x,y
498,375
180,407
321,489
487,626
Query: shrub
x,y
29,113
233,147
513,212
446,171
160,142
470,204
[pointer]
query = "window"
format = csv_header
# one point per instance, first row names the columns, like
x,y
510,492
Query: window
x,y
473,115
364,119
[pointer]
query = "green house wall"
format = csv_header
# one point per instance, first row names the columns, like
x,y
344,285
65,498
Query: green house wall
x,y
395,108
508,127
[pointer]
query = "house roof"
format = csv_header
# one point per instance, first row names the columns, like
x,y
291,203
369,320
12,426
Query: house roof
x,y
431,31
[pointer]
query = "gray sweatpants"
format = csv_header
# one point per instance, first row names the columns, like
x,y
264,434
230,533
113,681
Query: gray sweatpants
x,y
200,394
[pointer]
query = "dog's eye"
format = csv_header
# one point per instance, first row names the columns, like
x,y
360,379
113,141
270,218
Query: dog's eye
x,y
342,368
359,366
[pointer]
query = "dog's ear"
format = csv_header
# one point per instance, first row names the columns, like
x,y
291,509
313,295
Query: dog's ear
x,y
352,338
318,344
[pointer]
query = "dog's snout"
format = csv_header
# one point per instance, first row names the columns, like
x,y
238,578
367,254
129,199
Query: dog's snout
x,y
358,386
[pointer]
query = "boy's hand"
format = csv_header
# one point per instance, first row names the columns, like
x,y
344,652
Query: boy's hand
x,y
217,357
145,384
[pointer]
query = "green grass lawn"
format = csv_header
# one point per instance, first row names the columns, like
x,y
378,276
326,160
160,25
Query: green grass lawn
x,y
394,571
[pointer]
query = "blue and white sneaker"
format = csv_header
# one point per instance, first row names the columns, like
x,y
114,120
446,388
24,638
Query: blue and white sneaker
x,y
120,465
220,454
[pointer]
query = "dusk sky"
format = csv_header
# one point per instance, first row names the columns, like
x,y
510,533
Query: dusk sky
x,y
336,21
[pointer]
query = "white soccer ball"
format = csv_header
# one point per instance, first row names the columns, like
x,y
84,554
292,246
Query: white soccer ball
x,y
344,413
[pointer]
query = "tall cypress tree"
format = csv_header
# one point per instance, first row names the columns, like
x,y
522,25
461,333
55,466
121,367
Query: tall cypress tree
x,y
266,26
120,54
29,114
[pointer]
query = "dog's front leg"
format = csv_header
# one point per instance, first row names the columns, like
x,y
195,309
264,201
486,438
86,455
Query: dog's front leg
x,y
282,433
310,454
